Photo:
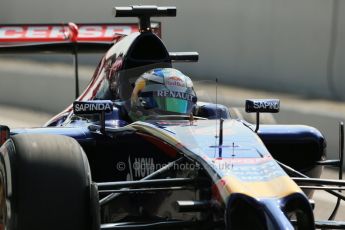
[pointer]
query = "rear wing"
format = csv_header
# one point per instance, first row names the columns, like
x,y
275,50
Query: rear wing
x,y
63,38
84,38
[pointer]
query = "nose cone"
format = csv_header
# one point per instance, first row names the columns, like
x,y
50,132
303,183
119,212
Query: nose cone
x,y
277,187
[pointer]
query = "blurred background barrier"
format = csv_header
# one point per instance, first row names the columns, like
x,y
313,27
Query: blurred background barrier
x,y
294,46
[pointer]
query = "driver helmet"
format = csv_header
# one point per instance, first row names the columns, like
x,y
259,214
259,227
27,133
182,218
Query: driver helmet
x,y
162,91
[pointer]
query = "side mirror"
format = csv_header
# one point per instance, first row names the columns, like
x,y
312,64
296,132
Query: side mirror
x,y
94,107
262,106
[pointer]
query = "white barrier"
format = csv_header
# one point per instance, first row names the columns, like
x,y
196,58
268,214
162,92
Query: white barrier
x,y
45,87
294,46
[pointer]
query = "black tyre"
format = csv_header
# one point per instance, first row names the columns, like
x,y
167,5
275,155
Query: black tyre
x,y
46,184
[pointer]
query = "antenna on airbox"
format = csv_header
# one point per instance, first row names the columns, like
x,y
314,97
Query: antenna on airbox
x,y
144,13
221,121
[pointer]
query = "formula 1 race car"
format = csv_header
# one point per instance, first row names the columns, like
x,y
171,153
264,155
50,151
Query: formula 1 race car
x,y
137,150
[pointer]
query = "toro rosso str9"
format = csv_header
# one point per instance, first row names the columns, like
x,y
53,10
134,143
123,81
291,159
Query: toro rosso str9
x,y
138,150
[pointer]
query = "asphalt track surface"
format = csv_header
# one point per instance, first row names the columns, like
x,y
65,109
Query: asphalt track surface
x,y
319,113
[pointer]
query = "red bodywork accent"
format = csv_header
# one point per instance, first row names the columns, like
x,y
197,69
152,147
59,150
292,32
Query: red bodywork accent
x,y
215,190
4,134
2,137
243,161
71,32
168,150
